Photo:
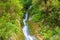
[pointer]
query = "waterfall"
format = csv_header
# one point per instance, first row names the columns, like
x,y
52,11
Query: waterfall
x,y
26,30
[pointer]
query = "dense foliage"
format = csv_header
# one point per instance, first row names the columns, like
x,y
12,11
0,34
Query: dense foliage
x,y
10,12
47,14
44,13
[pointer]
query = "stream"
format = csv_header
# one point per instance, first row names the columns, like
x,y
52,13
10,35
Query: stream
x,y
26,30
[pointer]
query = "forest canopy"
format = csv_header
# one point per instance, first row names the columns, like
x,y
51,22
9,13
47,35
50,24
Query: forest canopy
x,y
44,13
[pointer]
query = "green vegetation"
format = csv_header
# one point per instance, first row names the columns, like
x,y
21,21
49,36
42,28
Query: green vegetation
x,y
44,18
10,12
46,14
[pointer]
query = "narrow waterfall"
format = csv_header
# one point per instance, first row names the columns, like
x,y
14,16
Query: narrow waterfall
x,y
26,30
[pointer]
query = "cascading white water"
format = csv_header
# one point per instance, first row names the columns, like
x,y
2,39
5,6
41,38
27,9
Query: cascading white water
x,y
25,29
